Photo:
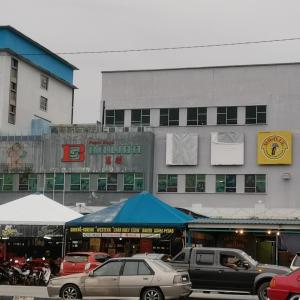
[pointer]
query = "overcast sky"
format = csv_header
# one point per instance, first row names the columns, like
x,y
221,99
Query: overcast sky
x,y
96,25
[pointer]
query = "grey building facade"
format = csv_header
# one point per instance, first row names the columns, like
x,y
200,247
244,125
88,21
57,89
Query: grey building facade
x,y
233,101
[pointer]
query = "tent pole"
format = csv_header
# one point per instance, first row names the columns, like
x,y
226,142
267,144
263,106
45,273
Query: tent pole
x,y
64,239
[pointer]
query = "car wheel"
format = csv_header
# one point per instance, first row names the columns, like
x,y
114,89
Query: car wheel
x,y
295,297
152,294
262,291
70,291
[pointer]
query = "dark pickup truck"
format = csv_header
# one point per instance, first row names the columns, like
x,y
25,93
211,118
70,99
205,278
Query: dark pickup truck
x,y
226,270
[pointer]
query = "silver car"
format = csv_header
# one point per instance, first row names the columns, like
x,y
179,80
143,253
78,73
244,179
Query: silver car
x,y
121,278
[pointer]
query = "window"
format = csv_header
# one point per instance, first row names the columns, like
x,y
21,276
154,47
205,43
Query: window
x,y
110,269
55,181
107,182
133,268
197,116
6,182
133,182
114,117
80,182
28,182
227,115
169,117
255,183
43,103
204,258
256,114
194,183
44,82
14,63
180,257
13,92
225,183
140,117
167,183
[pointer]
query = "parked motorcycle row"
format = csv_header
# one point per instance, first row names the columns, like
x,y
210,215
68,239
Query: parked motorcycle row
x,y
25,271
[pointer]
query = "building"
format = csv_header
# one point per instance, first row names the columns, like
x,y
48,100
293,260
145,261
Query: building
x,y
226,140
36,85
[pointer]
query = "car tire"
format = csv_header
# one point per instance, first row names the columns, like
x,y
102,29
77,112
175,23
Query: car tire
x,y
152,294
262,291
70,291
294,297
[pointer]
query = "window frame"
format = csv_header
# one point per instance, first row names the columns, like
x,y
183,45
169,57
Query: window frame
x,y
254,188
197,121
143,113
255,119
198,178
51,177
80,182
43,103
137,176
225,114
31,181
6,182
105,176
168,187
113,115
44,82
226,188
165,113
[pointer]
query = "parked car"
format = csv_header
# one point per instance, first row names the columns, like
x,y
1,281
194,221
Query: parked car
x,y
124,278
295,264
226,270
78,262
285,287
159,256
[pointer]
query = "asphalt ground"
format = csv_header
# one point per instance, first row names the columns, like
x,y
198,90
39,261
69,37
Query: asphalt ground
x,y
31,292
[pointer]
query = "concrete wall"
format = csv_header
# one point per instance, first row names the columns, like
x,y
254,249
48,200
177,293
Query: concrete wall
x,y
29,91
277,86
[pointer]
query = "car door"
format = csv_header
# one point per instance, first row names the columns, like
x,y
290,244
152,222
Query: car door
x,y
203,270
136,275
104,281
232,274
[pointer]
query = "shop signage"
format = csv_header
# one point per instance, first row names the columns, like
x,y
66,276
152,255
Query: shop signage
x,y
137,230
274,148
73,152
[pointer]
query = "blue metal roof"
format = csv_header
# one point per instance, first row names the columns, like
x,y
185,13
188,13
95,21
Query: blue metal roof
x,y
141,210
17,42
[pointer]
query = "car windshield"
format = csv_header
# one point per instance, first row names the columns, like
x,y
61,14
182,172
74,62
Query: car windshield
x,y
76,258
248,258
162,266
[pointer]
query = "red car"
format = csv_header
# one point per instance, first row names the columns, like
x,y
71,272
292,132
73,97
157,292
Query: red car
x,y
79,262
285,287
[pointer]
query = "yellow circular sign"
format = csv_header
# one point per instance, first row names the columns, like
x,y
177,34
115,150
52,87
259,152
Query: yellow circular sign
x,y
274,146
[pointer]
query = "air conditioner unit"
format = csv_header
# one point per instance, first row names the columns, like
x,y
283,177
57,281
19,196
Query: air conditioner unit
x,y
105,129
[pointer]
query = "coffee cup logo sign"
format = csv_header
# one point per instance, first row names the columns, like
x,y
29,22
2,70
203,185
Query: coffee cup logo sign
x,y
274,148
73,152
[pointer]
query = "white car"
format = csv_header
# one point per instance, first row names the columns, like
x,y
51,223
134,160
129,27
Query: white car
x,y
295,264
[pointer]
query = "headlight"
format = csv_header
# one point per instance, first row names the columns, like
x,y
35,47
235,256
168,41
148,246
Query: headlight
x,y
177,279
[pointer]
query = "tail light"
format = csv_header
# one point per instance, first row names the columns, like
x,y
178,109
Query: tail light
x,y
273,283
87,266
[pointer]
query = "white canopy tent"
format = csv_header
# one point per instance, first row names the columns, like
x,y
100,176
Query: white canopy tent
x,y
36,209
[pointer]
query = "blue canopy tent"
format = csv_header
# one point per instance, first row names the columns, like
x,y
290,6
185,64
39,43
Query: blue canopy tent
x,y
143,209
144,221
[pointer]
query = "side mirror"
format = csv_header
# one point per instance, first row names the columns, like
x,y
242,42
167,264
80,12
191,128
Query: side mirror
x,y
91,274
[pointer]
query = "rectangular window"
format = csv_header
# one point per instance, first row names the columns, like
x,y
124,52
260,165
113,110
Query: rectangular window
x,y
226,115
107,182
225,183
13,92
140,117
169,117
203,258
196,116
167,183
6,182
43,103
256,114
114,117
28,182
80,182
14,63
55,181
44,82
255,183
134,182
195,183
